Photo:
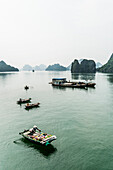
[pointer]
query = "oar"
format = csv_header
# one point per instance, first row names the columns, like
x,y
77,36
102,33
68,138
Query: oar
x,y
15,140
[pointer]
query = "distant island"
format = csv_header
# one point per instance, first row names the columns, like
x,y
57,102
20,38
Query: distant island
x,y
27,67
56,67
85,66
108,67
69,67
6,68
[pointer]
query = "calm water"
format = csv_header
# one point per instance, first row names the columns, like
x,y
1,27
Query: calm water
x,y
81,119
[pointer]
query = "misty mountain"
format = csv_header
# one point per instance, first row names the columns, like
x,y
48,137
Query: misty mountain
x,y
4,67
27,67
69,67
56,67
98,65
41,67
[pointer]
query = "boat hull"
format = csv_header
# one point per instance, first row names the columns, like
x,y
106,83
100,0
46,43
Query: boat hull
x,y
24,101
32,106
72,86
41,140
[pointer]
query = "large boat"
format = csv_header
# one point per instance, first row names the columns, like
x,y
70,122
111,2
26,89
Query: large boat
x,y
20,101
30,106
62,82
36,135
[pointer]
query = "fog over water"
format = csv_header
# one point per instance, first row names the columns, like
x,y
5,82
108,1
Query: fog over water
x,y
55,31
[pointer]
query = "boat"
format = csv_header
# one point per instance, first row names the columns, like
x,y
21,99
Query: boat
x,y
36,135
62,82
26,87
20,101
30,106
90,84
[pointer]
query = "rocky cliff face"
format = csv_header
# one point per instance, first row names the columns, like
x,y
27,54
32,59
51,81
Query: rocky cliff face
x,y
6,68
86,66
108,67
75,67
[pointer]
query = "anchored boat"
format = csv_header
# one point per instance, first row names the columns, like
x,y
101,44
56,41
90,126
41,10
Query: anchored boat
x,y
62,82
36,135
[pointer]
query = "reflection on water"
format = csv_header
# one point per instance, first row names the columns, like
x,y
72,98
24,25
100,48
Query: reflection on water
x,y
65,88
59,88
44,150
85,76
5,74
110,78
75,76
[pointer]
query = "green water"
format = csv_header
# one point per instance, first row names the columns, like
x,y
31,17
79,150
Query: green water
x,y
81,119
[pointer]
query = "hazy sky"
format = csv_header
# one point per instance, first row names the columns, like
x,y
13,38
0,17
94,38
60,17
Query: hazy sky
x,y
55,31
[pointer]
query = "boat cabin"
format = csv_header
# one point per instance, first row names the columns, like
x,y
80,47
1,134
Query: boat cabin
x,y
58,81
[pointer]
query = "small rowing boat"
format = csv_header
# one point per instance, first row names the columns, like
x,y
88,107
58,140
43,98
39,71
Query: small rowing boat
x,y
30,106
26,87
20,101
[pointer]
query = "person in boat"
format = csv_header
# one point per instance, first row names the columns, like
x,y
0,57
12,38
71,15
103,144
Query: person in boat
x,y
33,130
36,128
20,99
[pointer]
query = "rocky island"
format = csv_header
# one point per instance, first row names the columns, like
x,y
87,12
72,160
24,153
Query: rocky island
x,y
108,67
86,66
56,67
6,68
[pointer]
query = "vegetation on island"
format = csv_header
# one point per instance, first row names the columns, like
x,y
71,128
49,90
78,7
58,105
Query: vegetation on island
x,y
85,66
108,67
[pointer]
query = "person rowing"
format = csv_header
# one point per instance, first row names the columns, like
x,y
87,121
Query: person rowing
x,y
36,128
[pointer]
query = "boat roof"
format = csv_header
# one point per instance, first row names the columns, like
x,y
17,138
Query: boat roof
x,y
58,78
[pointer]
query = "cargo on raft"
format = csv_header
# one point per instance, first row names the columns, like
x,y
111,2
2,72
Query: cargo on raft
x,y
62,82
36,135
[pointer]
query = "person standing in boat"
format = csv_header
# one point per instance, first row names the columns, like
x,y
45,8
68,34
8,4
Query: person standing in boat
x,y
20,99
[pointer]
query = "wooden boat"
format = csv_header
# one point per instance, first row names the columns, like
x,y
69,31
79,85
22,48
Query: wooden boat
x,y
30,106
20,101
62,82
26,87
90,84
37,136
75,85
